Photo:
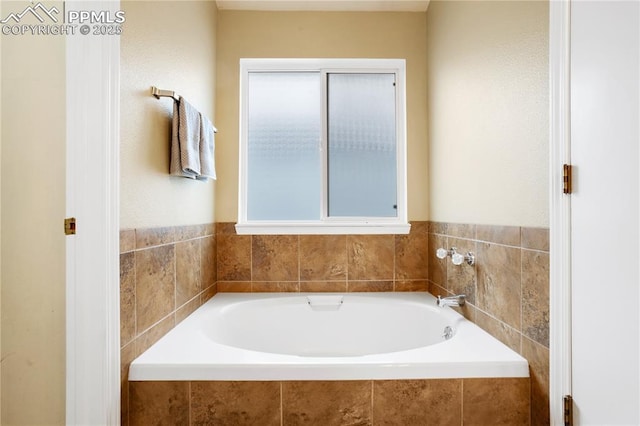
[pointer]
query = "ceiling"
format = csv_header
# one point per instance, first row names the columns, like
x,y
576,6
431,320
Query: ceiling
x,y
327,5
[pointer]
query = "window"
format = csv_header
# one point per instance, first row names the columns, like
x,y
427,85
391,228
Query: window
x,y
322,146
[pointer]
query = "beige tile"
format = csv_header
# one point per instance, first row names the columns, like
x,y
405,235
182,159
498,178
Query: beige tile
x,y
323,286
327,403
225,228
370,257
187,309
437,267
468,311
149,337
233,257
159,403
127,298
462,279
274,258
412,253
506,235
187,271
535,238
436,290
209,229
411,285
275,286
417,402
323,257
538,358
188,232
499,291
208,293
496,401
234,286
462,230
208,264
149,237
127,240
367,286
155,285
535,296
235,403
438,228
501,331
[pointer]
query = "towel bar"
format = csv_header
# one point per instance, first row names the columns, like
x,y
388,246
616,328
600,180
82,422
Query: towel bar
x,y
158,93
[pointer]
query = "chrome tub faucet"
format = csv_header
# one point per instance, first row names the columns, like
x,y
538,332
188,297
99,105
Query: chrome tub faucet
x,y
458,300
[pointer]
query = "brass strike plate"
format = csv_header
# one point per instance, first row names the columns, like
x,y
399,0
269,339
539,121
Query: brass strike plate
x,y
70,226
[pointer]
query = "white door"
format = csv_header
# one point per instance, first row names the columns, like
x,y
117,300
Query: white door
x,y
605,70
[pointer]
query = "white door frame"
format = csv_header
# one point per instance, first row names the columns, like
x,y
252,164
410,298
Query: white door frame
x,y
92,255
560,207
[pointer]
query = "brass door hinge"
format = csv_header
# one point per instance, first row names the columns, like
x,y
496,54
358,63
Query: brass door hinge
x,y
567,179
567,403
70,226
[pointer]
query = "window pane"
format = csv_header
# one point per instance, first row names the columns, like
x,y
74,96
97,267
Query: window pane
x,y
284,173
362,145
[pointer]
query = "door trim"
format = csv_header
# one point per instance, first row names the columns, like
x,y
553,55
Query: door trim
x,y
92,197
560,207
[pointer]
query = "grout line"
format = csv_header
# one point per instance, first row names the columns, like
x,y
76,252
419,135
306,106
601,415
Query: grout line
x,y
189,398
461,401
175,279
281,406
373,421
135,300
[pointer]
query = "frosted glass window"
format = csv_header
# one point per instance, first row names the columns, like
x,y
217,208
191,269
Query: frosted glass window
x,y
322,146
284,140
362,161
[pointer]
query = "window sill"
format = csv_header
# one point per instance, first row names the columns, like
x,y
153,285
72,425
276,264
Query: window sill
x,y
321,228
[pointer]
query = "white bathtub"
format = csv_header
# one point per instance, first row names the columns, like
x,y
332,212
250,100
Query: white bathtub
x,y
320,336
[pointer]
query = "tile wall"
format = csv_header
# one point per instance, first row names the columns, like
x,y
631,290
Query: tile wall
x,y
507,291
165,274
322,262
444,402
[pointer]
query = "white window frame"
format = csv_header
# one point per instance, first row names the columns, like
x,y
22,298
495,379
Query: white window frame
x,y
326,225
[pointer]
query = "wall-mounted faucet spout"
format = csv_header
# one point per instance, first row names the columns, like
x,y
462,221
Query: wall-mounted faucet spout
x,y
458,300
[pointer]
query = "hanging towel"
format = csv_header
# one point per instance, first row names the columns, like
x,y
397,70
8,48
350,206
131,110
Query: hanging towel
x,y
207,149
185,141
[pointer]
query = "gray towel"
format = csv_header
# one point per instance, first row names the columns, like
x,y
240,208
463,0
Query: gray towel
x,y
207,149
185,141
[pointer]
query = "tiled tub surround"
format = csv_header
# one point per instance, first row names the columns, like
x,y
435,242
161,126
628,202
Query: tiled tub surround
x,y
318,263
165,274
438,402
344,263
507,291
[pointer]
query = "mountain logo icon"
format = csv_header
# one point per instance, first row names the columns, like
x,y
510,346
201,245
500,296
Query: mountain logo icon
x,y
38,10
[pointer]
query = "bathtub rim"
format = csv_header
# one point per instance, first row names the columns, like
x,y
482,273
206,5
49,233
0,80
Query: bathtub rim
x,y
169,359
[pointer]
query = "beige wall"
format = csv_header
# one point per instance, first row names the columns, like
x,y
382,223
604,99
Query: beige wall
x,y
319,34
488,112
33,245
171,45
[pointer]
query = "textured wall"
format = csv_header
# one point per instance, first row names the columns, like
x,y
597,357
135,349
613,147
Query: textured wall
x,y
324,35
488,112
171,45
